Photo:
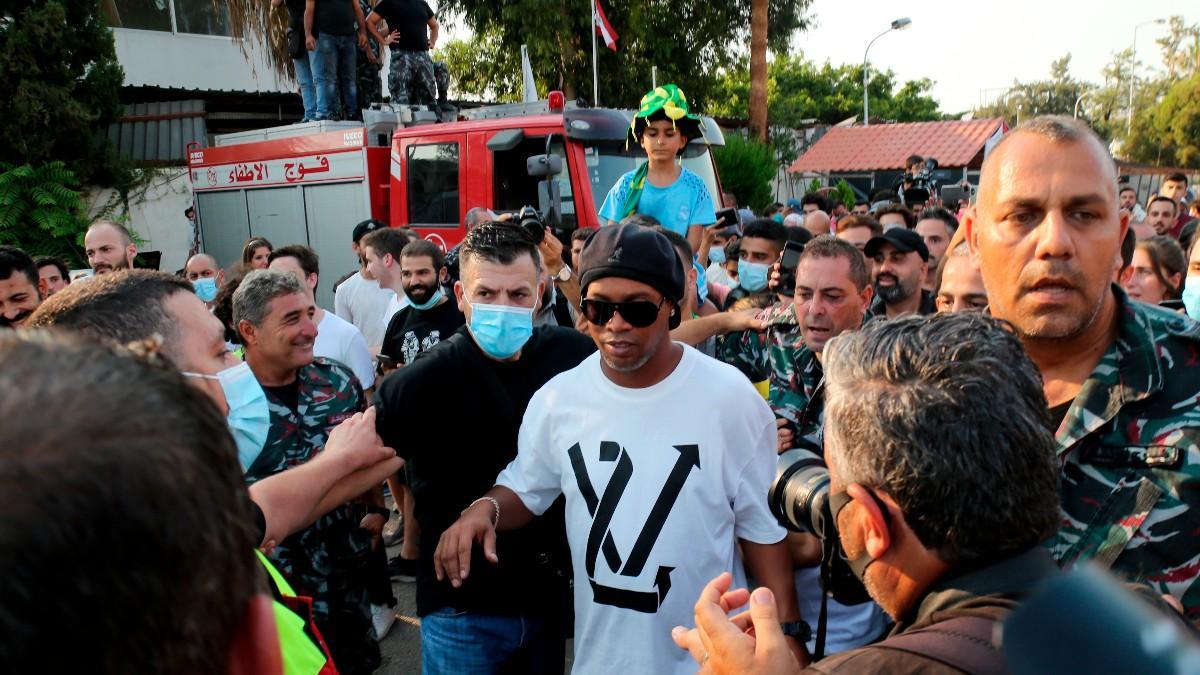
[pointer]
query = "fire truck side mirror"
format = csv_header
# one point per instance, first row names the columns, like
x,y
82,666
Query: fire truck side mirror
x,y
539,166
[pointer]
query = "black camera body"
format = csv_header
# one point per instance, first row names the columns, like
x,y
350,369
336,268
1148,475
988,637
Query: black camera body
x,y
799,499
917,188
531,221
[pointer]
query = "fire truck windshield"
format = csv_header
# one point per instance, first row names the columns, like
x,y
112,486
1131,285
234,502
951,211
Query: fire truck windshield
x,y
606,164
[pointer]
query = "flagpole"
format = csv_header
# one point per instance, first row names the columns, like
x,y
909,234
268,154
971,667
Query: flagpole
x,y
595,67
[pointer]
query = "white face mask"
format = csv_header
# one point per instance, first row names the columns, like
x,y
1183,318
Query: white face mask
x,y
249,415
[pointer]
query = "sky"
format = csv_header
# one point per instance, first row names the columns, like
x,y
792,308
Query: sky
x,y
966,47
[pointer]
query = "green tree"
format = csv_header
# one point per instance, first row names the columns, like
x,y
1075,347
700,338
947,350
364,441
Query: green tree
x,y
41,210
1169,132
747,166
800,90
61,80
1054,96
688,40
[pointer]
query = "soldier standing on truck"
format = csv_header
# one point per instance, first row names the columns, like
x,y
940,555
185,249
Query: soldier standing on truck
x,y
411,79
661,187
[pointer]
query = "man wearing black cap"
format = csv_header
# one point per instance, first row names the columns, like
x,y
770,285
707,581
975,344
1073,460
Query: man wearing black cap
x,y
360,299
658,493
901,263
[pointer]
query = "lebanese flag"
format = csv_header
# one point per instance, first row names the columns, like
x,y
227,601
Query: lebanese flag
x,y
604,29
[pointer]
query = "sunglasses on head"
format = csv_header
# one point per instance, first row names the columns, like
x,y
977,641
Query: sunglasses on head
x,y
638,313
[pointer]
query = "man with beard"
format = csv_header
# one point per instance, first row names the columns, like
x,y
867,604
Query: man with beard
x,y
668,495
19,294
902,262
429,318
1161,216
109,247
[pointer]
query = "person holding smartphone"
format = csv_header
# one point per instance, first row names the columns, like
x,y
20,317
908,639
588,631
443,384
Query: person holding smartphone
x,y
661,187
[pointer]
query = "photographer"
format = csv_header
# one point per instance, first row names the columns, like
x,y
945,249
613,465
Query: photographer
x,y
940,505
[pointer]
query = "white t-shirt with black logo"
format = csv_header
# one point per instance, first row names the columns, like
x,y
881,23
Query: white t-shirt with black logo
x,y
339,340
660,483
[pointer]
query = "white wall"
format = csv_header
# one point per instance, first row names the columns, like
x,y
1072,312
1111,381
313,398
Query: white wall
x,y
195,62
157,216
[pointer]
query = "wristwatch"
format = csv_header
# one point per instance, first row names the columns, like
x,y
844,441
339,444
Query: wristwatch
x,y
800,630
564,275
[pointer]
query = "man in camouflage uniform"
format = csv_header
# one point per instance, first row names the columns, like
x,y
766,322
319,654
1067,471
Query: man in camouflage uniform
x,y
370,87
307,397
1122,378
414,78
833,292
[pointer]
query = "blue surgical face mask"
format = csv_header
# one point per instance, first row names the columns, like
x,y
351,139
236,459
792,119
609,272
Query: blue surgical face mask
x,y
500,330
1191,296
716,255
752,276
249,416
206,288
433,300
701,283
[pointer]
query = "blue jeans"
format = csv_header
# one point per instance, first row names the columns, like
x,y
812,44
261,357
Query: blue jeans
x,y
333,64
304,77
457,642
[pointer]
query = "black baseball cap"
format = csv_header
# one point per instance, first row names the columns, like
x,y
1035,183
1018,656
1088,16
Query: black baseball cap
x,y
904,240
632,252
367,227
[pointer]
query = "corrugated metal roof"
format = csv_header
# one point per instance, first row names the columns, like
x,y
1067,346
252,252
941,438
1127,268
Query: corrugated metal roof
x,y
886,146
158,132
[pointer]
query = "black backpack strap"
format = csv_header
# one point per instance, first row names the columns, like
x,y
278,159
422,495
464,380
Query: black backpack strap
x,y
964,642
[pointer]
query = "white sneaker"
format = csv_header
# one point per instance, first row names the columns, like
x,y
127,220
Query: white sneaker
x,y
382,617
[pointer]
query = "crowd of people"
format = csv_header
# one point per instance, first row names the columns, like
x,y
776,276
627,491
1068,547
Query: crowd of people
x,y
580,432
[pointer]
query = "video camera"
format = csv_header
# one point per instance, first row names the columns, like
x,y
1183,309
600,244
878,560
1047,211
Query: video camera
x,y
917,187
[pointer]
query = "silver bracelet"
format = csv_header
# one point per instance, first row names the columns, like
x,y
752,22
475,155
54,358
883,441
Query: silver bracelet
x,y
495,504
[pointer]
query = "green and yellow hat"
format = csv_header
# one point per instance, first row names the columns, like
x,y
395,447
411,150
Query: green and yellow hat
x,y
665,103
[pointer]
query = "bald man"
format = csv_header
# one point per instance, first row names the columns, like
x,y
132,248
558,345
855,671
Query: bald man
x,y
109,247
817,222
206,276
1120,376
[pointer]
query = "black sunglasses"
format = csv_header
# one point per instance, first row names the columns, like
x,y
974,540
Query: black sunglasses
x,y
639,313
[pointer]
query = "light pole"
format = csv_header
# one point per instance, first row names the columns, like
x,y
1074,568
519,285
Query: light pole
x,y
898,24
1132,76
1077,102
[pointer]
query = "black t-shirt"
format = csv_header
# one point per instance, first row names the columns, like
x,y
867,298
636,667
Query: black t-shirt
x,y
412,331
334,17
454,414
288,394
295,10
260,522
411,18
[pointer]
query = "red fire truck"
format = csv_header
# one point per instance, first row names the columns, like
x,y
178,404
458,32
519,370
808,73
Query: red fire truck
x,y
311,183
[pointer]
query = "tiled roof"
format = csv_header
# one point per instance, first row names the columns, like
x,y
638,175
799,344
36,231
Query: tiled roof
x,y
886,146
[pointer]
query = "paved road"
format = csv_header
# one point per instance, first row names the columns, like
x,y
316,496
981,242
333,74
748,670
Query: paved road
x,y
401,647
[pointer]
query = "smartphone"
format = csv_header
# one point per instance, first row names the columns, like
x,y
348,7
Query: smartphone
x,y
953,194
788,261
727,217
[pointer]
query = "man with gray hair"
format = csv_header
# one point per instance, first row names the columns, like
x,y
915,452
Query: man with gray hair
x,y
912,441
307,397
1120,376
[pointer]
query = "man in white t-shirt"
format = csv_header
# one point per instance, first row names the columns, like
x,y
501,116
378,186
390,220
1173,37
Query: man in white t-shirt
x,y
381,249
658,494
337,338
360,299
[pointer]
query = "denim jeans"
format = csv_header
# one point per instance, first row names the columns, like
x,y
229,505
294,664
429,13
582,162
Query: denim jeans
x,y
333,63
457,642
304,77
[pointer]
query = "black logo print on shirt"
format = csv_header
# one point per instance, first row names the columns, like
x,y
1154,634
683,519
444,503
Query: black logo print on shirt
x,y
600,537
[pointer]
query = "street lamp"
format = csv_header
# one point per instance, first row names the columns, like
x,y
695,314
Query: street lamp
x,y
1077,102
1132,76
898,24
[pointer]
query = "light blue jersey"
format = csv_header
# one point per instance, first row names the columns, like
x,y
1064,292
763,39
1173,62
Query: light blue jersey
x,y
686,202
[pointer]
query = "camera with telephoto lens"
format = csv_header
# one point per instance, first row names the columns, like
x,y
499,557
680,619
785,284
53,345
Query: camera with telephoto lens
x,y
799,499
530,221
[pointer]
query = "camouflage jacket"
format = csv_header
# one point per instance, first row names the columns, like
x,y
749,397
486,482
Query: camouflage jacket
x,y
311,558
1130,451
780,357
